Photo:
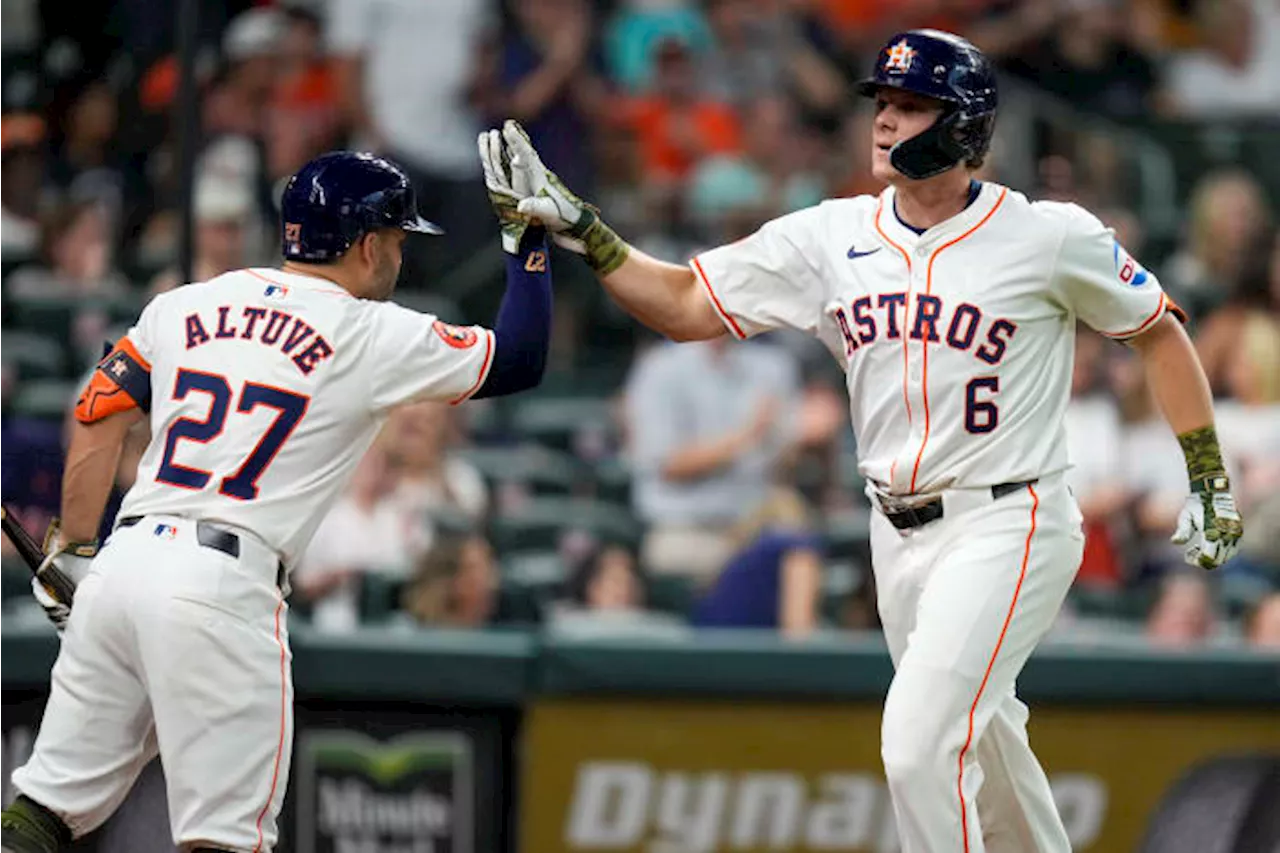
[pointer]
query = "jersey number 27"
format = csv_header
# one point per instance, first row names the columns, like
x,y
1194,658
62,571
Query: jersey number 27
x,y
243,484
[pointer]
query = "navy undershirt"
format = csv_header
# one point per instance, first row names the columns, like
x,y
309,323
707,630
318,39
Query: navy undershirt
x,y
975,187
522,330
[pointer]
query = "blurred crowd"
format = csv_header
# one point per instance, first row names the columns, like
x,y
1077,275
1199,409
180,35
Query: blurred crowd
x,y
647,485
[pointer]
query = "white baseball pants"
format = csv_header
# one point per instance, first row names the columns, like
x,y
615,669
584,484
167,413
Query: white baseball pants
x,y
964,600
177,649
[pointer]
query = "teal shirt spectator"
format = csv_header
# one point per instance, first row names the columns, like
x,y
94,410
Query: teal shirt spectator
x,y
631,37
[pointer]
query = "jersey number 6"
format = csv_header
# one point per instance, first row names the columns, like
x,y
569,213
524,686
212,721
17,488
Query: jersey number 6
x,y
243,484
981,416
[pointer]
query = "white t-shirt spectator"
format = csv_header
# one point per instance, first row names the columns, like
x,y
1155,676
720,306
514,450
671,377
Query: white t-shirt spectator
x,y
1095,444
1201,85
350,538
417,60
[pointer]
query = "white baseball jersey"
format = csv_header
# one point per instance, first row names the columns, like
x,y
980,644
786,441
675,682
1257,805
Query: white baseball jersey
x,y
266,389
957,343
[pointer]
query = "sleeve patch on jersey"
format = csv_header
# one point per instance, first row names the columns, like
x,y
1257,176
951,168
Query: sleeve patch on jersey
x,y
121,381
457,337
1128,270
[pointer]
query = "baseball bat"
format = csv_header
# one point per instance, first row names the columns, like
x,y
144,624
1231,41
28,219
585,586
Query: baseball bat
x,y
58,584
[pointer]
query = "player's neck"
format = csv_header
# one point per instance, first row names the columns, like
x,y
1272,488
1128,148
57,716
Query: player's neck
x,y
923,204
328,272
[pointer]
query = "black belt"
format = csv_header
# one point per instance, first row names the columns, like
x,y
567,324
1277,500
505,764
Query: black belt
x,y
211,536
918,516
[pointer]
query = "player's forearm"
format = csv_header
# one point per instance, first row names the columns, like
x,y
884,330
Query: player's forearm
x,y
705,458
801,579
1181,390
90,472
532,94
665,297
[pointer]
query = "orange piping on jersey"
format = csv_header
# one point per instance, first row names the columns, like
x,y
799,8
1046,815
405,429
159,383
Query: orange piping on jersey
x,y
1022,573
339,291
484,369
906,316
715,301
284,712
1166,304
925,344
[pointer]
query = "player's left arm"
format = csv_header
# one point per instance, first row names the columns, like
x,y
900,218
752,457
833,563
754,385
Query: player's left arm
x,y
1103,285
1210,525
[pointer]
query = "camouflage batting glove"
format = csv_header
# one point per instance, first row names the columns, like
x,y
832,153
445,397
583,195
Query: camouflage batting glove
x,y
1209,526
574,224
505,189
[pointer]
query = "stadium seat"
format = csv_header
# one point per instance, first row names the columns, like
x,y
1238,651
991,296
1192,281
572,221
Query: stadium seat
x,y
543,470
673,594
561,421
539,523
613,480
34,356
48,399
847,533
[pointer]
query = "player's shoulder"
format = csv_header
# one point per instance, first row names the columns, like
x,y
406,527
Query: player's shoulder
x,y
1066,217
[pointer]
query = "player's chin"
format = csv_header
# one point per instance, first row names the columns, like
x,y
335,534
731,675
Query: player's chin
x,y
882,169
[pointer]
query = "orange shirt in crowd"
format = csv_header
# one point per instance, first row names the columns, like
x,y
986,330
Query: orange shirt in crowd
x,y
673,140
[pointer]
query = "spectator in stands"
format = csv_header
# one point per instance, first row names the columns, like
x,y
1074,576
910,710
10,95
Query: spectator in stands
x,y
1095,447
455,584
1239,343
1183,613
85,161
677,125
759,49
731,195
222,209
607,579
240,98
544,74
708,422
365,532
21,173
1088,60
1236,72
434,482
77,253
1262,624
1227,212
304,119
403,71
638,27
774,578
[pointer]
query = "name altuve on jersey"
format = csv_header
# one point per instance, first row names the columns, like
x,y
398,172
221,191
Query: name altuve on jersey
x,y
267,326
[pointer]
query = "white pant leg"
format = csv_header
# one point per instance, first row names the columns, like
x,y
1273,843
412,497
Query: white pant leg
x,y
96,734
215,654
1015,804
996,580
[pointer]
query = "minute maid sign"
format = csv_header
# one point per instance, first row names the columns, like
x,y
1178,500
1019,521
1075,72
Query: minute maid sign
x,y
408,794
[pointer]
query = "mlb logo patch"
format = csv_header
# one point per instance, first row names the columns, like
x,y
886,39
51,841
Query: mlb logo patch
x,y
275,291
166,531
899,57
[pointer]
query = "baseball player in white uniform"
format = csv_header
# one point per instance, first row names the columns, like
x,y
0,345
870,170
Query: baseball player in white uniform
x,y
952,305
263,388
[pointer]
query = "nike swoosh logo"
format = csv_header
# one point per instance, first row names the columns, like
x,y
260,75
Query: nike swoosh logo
x,y
854,253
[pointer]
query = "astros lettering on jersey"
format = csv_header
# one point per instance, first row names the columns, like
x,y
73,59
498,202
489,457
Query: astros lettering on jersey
x,y
268,388
957,343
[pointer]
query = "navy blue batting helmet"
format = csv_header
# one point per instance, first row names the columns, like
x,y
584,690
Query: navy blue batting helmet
x,y
341,195
946,67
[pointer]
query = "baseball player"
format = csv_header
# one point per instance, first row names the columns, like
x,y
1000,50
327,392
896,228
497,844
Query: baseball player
x,y
263,388
951,304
